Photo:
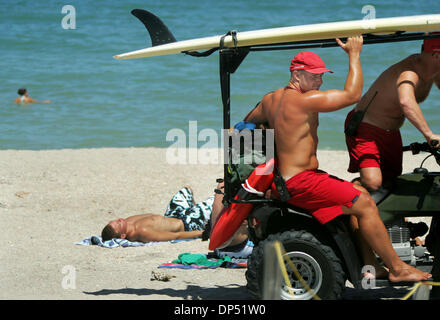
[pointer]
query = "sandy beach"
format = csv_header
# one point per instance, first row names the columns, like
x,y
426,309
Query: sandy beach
x,y
51,199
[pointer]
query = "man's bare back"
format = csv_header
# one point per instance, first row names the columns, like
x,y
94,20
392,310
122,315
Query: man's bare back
x,y
393,86
296,135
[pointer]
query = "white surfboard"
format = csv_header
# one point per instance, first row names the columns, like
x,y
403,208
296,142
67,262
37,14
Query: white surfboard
x,y
382,26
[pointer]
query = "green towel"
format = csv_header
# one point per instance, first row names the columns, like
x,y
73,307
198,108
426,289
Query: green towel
x,y
199,259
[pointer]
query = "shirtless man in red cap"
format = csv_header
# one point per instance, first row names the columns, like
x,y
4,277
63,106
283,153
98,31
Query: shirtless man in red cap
x,y
293,114
376,148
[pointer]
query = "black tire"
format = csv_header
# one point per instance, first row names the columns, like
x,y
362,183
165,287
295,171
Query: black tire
x,y
317,263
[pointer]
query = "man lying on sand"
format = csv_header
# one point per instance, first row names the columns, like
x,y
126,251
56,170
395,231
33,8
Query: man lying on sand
x,y
183,219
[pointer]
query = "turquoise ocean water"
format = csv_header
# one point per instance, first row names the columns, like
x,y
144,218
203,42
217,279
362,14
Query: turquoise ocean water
x,y
98,101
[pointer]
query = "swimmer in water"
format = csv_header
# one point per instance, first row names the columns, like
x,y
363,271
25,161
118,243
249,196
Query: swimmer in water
x,y
25,99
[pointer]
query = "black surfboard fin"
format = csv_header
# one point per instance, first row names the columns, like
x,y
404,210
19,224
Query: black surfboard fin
x,y
159,32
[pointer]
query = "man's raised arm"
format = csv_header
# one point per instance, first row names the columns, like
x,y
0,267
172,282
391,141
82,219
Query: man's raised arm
x,y
410,108
332,100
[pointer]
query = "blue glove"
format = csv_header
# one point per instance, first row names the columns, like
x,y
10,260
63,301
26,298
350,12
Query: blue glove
x,y
244,125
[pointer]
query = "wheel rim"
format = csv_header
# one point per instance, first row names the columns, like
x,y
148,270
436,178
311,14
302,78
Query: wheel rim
x,y
309,270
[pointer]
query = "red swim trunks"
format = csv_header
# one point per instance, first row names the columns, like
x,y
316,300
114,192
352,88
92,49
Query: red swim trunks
x,y
375,147
321,194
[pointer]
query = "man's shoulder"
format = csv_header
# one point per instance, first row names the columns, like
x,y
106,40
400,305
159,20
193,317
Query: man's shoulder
x,y
406,69
268,95
274,93
409,64
294,101
267,100
272,99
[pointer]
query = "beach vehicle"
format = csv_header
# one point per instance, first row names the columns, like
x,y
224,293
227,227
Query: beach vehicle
x,y
325,255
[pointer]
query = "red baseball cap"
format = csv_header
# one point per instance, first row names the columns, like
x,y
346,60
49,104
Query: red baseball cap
x,y
308,61
431,45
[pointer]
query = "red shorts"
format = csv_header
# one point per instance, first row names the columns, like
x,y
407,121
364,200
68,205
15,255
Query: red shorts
x,y
375,147
321,194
